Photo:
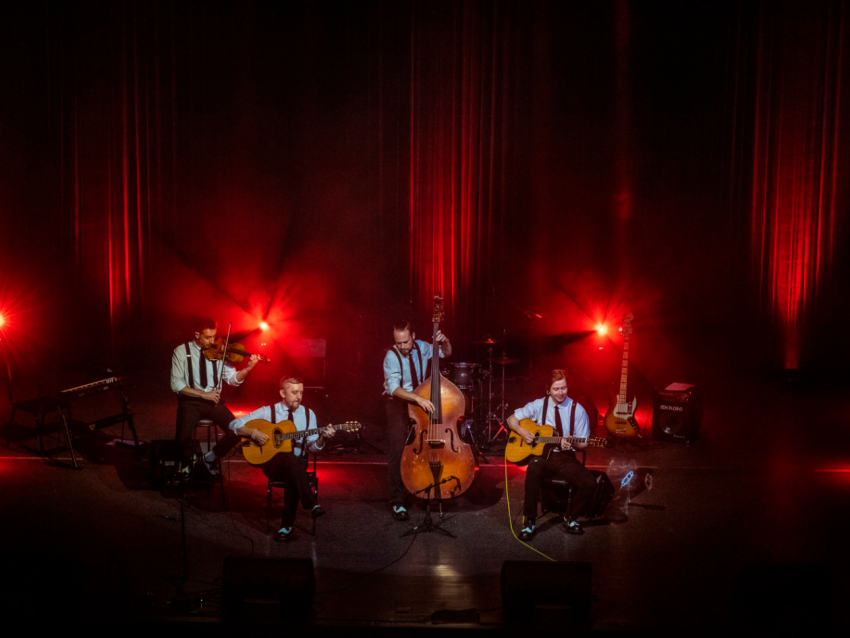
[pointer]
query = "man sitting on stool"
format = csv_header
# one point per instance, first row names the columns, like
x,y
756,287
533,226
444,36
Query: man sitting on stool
x,y
195,380
555,409
288,468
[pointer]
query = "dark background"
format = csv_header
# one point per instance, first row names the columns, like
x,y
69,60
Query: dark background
x,y
330,166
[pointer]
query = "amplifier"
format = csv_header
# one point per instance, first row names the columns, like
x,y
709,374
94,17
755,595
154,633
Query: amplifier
x,y
677,413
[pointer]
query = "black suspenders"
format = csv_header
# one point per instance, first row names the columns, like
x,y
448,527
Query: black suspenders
x,y
542,418
300,442
412,368
201,362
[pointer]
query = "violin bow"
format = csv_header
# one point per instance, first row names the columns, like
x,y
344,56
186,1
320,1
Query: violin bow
x,y
224,357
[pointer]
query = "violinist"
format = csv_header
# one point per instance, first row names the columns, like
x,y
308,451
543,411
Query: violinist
x,y
405,366
195,379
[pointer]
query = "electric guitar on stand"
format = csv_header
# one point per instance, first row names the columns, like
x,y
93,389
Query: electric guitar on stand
x,y
620,420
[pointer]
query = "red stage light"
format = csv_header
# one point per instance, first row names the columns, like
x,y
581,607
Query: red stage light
x,y
2,321
601,329
264,326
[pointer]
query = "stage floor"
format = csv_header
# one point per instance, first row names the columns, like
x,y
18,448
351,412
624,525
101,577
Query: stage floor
x,y
767,483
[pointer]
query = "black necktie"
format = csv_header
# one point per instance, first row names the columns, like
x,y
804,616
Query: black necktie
x,y
413,376
202,364
558,425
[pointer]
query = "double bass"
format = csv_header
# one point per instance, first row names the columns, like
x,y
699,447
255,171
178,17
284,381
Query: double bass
x,y
437,464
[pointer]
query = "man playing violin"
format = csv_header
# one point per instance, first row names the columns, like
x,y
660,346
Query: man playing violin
x,y
195,380
288,468
569,419
405,366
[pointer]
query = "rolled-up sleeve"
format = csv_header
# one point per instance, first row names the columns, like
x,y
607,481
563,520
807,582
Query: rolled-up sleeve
x,y
178,371
229,373
529,410
582,422
392,373
260,413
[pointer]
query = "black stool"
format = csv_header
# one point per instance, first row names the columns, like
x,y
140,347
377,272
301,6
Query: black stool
x,y
557,495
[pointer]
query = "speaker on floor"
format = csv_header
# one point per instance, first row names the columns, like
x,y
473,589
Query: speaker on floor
x,y
787,598
546,594
677,413
267,591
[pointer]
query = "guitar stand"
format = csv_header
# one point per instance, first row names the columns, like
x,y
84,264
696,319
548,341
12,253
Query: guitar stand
x,y
428,524
495,437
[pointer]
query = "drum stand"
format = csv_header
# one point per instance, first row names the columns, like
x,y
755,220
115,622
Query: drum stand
x,y
491,416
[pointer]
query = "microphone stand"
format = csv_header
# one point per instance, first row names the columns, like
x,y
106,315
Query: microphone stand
x,y
428,524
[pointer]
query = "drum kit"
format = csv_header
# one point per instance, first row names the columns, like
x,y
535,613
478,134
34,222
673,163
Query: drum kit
x,y
485,420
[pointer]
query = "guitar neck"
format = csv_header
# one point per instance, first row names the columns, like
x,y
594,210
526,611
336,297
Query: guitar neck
x,y
437,415
300,434
557,439
624,371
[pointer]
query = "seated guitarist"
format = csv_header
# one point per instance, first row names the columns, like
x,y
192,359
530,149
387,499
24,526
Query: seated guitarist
x,y
291,468
569,419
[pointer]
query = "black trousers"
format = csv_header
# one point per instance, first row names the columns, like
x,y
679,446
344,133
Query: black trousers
x,y
561,465
190,410
398,427
291,470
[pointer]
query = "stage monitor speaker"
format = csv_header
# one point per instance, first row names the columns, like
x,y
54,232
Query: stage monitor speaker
x,y
547,594
788,598
267,591
677,413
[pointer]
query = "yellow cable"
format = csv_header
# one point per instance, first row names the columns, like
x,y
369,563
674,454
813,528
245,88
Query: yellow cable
x,y
510,518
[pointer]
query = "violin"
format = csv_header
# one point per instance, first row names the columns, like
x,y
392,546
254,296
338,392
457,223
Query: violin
x,y
235,352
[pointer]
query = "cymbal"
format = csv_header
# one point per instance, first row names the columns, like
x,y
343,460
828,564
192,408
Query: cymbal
x,y
487,341
505,361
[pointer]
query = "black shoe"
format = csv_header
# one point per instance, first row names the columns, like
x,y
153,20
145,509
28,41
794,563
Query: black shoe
x,y
283,535
574,528
317,511
400,513
528,531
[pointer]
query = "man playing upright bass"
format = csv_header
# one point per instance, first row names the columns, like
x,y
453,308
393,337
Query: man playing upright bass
x,y
404,369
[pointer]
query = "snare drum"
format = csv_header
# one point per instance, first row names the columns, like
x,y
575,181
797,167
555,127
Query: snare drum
x,y
464,375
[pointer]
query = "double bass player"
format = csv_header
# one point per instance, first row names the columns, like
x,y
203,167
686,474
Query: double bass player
x,y
405,367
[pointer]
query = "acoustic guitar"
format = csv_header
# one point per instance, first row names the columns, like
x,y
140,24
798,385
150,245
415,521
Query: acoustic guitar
x,y
545,440
620,420
281,436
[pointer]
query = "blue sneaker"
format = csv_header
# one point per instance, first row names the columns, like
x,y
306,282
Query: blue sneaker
x,y
528,530
283,534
